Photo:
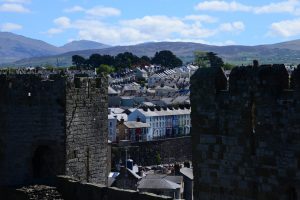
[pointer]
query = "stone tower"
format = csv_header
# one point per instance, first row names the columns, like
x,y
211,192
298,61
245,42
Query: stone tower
x,y
56,126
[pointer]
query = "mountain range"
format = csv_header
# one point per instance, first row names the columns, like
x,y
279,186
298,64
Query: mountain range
x,y
16,47
16,50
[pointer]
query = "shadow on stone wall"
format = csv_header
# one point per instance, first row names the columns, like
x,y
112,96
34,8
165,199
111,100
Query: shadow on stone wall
x,y
68,188
71,189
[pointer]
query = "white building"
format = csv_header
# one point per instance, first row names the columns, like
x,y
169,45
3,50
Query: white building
x,y
164,122
115,115
112,127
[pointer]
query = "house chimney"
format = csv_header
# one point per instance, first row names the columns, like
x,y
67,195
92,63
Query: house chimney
x,y
122,120
255,63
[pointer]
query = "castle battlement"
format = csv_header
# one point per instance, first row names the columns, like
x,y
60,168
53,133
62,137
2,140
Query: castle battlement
x,y
51,125
248,79
246,132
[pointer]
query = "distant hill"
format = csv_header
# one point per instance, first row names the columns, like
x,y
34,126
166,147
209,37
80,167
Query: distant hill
x,y
14,47
39,53
293,45
234,54
82,45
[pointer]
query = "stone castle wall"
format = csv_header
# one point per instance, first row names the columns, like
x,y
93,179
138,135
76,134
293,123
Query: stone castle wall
x,y
246,134
42,122
31,116
86,130
145,153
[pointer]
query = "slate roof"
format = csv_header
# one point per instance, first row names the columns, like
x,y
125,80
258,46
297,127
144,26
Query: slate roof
x,y
116,110
121,116
163,112
157,183
180,99
110,181
133,174
188,172
165,88
175,179
134,124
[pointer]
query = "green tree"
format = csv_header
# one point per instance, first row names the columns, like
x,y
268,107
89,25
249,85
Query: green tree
x,y
95,60
104,69
144,60
167,59
207,59
215,61
228,66
78,61
108,60
126,60
157,158
201,59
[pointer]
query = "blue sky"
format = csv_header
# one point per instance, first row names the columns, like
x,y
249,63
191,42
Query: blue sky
x,y
122,22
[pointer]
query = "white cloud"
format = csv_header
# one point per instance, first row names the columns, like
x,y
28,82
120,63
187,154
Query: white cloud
x,y
53,31
289,6
280,7
156,25
145,29
286,28
226,43
98,31
201,18
74,9
222,6
99,11
237,26
13,7
62,22
10,27
17,1
103,11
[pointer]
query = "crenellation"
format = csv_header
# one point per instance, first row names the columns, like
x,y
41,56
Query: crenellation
x,y
245,140
56,127
295,84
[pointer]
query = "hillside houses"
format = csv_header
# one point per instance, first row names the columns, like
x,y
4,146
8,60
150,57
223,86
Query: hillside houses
x,y
149,103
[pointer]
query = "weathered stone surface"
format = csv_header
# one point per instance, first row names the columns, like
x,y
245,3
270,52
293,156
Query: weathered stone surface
x,y
246,139
51,127
74,190
144,153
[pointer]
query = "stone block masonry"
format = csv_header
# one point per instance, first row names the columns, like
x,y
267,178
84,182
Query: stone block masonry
x,y
170,150
246,133
68,188
86,130
52,127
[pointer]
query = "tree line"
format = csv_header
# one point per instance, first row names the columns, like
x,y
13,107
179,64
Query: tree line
x,y
124,60
165,58
210,59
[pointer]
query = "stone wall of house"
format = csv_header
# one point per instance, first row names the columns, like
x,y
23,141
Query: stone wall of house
x,y
53,126
245,133
145,153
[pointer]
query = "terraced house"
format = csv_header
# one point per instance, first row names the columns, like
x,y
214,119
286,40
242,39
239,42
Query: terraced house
x,y
164,121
